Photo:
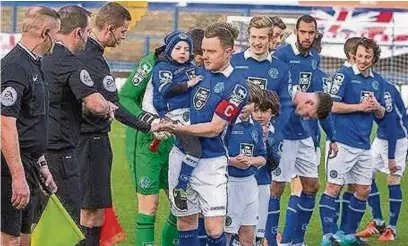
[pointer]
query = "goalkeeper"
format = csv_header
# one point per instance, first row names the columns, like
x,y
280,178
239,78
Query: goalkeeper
x,y
149,170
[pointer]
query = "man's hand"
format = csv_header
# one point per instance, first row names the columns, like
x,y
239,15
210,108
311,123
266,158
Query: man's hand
x,y
392,165
333,150
48,180
20,192
112,108
163,135
194,81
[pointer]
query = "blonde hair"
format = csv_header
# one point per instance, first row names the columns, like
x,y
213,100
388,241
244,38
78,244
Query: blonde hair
x,y
36,16
259,22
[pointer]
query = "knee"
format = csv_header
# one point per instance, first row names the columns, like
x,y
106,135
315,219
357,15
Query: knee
x,y
363,191
351,188
187,223
333,190
311,186
277,188
9,240
148,204
215,228
92,217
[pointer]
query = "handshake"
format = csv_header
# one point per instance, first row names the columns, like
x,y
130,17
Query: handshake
x,y
161,128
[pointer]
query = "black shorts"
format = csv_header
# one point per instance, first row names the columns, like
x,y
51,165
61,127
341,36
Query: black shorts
x,y
65,171
15,221
95,161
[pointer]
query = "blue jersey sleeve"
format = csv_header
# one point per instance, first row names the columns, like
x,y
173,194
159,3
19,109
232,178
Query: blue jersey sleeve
x,y
280,54
328,127
338,86
391,127
232,102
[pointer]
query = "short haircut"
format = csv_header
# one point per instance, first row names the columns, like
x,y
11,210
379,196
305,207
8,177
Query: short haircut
x,y
226,32
197,35
112,14
349,45
259,22
270,100
369,44
36,15
306,19
325,105
276,21
255,94
72,17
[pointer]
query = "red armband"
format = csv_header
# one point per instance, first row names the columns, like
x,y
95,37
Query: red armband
x,y
227,110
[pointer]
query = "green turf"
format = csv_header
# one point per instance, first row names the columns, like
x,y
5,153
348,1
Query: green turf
x,y
124,198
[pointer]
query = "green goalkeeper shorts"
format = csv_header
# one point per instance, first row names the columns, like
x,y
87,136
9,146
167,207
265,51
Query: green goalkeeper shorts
x,y
151,169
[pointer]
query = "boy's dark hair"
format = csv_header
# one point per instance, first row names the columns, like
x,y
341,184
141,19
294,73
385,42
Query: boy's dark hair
x,y
255,94
349,45
270,100
325,105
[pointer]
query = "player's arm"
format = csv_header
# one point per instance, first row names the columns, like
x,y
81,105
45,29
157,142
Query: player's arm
x,y
337,92
12,94
131,93
328,127
208,129
96,104
259,158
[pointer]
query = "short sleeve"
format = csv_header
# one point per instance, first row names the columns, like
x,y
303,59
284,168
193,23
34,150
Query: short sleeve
x,y
13,86
81,83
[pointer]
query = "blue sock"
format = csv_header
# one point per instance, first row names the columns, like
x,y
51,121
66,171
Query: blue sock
x,y
344,209
188,238
356,211
187,168
304,213
202,234
221,241
395,203
273,220
336,217
374,202
290,220
327,207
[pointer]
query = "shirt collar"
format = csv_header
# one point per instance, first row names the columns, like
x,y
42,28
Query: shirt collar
x,y
96,43
227,71
247,55
356,71
238,120
347,64
34,56
292,41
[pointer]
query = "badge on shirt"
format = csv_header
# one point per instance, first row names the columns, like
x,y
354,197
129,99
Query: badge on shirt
x,y
86,78
254,135
8,96
304,80
273,73
388,101
165,77
109,83
336,83
141,73
326,84
261,82
201,98
247,149
191,73
219,87
375,84
238,95
314,64
365,95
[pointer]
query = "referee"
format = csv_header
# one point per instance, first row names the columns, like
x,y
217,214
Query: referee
x,y
95,156
24,108
72,93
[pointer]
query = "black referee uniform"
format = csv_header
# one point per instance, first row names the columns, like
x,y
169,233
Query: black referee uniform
x,y
70,82
23,96
95,152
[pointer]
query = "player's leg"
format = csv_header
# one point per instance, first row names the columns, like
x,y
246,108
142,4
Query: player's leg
x,y
361,176
95,161
209,180
263,197
291,211
306,168
236,203
202,234
345,202
395,192
282,175
147,175
192,148
336,169
170,235
250,214
187,221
